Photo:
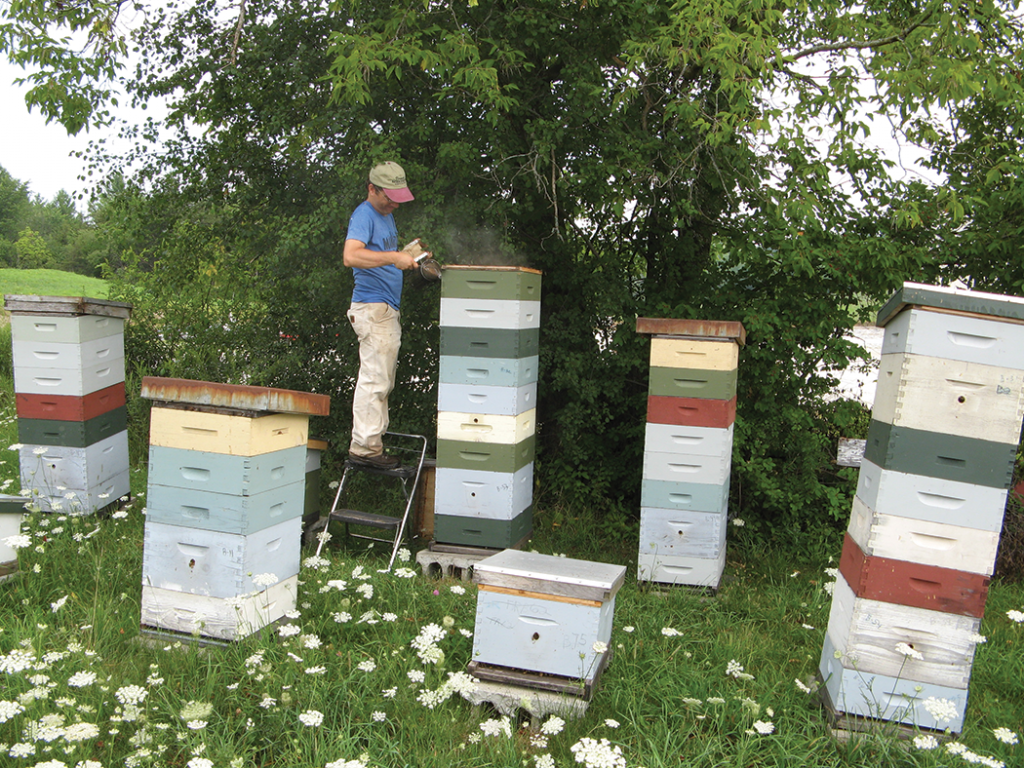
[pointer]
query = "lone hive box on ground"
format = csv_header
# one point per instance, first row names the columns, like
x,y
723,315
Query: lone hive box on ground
x,y
540,615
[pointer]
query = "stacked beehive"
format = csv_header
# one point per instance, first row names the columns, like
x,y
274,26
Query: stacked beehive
x,y
691,409
541,615
227,480
68,356
487,398
924,529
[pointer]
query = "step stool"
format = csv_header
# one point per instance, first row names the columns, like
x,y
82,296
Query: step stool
x,y
396,525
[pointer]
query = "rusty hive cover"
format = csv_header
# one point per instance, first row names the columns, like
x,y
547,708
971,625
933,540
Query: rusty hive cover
x,y
710,329
240,396
70,306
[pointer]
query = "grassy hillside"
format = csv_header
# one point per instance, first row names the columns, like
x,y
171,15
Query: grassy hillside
x,y
51,282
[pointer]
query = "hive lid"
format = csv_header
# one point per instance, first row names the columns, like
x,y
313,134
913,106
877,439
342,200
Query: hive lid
x,y
548,574
215,395
490,268
727,330
949,299
10,503
68,306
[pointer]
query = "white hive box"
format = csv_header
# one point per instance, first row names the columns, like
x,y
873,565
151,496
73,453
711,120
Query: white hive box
x,y
681,571
699,441
951,396
221,618
490,313
687,467
886,697
475,493
923,541
58,468
500,401
62,329
540,613
12,511
933,499
680,533
987,341
218,564
866,632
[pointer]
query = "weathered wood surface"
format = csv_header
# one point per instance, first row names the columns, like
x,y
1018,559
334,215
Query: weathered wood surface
x,y
65,305
866,633
850,452
225,619
551,575
721,329
238,396
955,397
912,584
922,541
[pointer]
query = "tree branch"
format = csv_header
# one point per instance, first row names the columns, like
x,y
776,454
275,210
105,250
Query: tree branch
x,y
859,44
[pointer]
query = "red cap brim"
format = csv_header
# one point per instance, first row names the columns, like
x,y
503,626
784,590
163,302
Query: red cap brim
x,y
402,195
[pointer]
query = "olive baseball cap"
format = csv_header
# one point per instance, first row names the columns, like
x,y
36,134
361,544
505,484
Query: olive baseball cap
x,y
391,178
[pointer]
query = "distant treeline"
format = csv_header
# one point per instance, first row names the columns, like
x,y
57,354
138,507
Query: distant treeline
x,y
46,234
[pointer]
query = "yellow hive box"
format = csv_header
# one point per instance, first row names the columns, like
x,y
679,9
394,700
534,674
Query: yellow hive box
x,y
220,433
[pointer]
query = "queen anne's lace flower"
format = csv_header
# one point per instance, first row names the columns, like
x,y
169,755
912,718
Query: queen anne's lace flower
x,y
311,718
598,754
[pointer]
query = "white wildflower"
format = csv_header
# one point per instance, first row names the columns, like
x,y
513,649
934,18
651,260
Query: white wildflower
x,y
311,718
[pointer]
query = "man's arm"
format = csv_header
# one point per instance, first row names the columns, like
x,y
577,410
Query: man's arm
x,y
356,254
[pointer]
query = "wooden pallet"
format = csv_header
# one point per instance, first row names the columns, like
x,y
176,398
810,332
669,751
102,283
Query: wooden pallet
x,y
538,680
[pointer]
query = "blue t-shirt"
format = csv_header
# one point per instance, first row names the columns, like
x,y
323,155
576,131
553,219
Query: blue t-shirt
x,y
379,233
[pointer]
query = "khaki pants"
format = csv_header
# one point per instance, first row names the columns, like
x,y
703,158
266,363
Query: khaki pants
x,y
379,331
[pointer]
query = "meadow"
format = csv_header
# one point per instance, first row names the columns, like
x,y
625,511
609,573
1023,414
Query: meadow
x,y
369,670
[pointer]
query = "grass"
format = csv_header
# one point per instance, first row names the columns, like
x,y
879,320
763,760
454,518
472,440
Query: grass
x,y
82,687
50,282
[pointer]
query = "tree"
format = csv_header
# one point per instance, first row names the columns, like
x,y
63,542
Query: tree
x,y
32,251
74,49
677,159
14,203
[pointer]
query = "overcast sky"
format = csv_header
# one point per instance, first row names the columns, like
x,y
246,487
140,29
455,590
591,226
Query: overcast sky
x,y
32,151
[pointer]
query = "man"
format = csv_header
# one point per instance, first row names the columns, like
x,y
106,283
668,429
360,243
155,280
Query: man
x,y
371,249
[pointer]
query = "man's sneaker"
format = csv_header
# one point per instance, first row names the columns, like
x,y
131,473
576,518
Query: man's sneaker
x,y
380,461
